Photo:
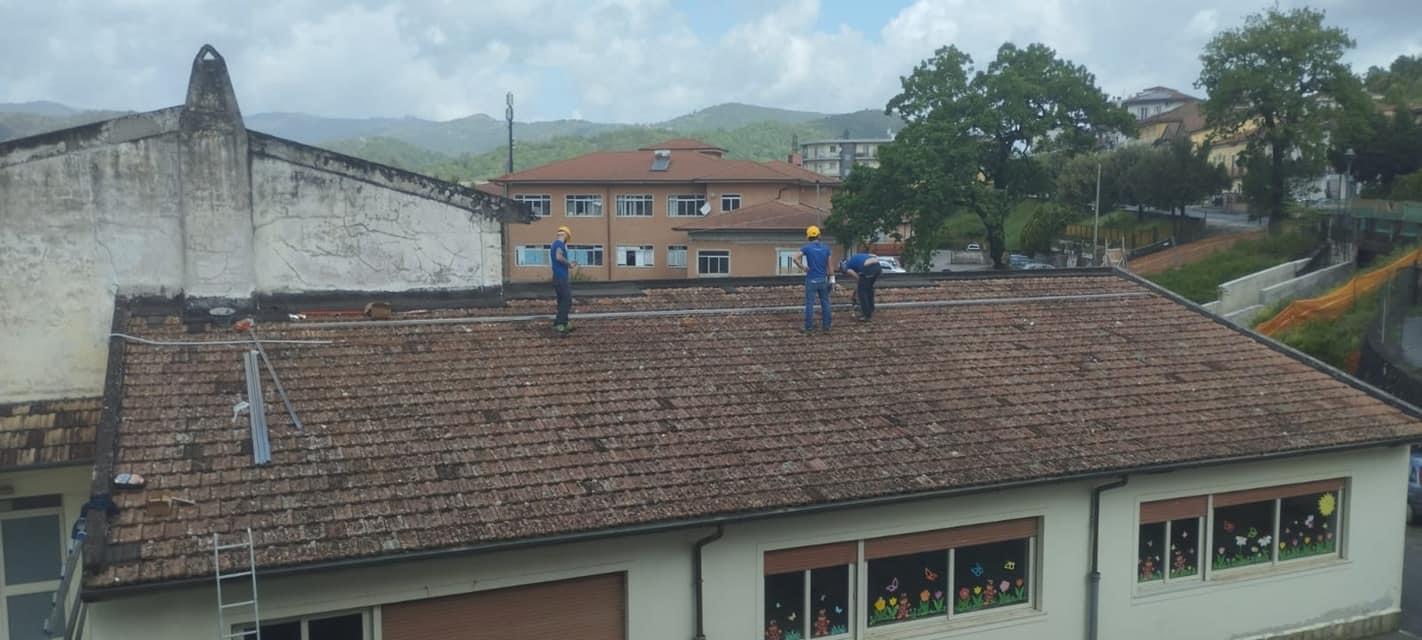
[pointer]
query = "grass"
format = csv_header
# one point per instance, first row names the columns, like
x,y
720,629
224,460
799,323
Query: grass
x,y
965,228
1200,281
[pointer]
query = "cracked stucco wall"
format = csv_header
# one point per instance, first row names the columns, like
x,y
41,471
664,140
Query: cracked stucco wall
x,y
316,230
75,229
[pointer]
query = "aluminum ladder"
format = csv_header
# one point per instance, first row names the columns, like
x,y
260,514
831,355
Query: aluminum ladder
x,y
55,625
224,632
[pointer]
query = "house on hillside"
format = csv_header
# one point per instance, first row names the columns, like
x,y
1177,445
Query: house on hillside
x,y
836,158
1176,124
625,209
1155,101
1104,461
184,206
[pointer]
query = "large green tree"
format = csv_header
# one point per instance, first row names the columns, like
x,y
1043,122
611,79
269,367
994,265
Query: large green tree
x,y
973,140
1280,80
1400,82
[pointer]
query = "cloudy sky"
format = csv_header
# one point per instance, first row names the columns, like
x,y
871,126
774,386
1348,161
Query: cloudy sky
x,y
607,60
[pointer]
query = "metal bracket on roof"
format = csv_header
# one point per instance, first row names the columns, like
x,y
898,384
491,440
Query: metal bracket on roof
x,y
261,445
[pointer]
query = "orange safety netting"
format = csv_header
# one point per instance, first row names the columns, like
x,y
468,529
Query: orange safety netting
x,y
1338,301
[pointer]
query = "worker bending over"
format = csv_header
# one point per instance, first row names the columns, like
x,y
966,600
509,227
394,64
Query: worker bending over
x,y
865,269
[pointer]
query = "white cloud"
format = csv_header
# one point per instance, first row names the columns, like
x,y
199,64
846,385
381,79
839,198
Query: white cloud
x,y
623,60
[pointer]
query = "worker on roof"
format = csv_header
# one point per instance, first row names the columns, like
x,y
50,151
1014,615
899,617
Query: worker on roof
x,y
865,269
562,280
814,261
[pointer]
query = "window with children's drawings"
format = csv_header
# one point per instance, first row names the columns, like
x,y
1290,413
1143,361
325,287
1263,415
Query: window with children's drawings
x,y
807,591
1168,541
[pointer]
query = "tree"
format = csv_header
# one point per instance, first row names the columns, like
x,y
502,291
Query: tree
x,y
1047,222
1400,82
1180,175
1386,147
1279,79
969,142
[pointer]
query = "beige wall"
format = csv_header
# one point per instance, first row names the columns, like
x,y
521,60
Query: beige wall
x,y
71,484
656,231
1365,581
752,258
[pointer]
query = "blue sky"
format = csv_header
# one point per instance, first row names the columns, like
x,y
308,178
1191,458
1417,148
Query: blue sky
x,y
607,60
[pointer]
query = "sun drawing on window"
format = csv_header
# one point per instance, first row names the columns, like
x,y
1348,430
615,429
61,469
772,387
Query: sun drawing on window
x,y
1326,504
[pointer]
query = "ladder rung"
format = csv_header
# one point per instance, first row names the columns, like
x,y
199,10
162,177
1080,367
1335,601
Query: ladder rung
x,y
244,603
228,576
239,545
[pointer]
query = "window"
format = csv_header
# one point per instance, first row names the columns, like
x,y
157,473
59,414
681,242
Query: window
x,y
1268,526
583,206
676,256
730,201
988,576
641,256
635,206
532,255
1169,541
907,587
32,550
345,626
685,205
713,263
785,262
807,591
541,204
587,255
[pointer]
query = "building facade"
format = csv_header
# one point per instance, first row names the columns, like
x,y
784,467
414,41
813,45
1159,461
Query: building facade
x,y
1155,101
836,158
626,210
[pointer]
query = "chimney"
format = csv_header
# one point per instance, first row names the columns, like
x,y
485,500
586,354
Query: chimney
x,y
216,188
796,159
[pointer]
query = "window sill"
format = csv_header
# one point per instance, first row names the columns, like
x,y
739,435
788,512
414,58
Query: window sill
x,y
963,624
1245,576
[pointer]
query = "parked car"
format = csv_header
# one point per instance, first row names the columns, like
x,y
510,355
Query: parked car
x,y
891,264
1037,265
1414,488
1017,260
973,246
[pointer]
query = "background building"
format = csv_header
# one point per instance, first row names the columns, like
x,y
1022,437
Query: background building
x,y
837,157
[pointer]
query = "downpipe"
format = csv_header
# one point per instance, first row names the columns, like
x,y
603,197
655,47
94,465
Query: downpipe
x,y
697,580
1093,588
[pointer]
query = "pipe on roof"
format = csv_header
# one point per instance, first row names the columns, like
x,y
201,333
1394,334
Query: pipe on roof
x,y
212,343
345,324
94,595
697,579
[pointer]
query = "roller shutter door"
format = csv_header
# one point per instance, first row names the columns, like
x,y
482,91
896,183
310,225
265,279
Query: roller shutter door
x,y
593,608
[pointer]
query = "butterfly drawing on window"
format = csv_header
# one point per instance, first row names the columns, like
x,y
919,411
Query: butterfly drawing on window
x,y
930,575
976,570
893,586
791,617
1009,565
838,609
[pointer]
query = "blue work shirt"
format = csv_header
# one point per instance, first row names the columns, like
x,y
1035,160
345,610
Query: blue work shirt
x,y
856,262
560,270
816,261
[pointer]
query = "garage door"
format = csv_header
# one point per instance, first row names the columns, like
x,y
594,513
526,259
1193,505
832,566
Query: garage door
x,y
593,608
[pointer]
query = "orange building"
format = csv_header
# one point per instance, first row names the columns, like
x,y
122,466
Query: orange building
x,y
635,215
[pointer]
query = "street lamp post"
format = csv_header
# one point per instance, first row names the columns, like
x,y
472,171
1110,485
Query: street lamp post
x,y
1347,195
1096,228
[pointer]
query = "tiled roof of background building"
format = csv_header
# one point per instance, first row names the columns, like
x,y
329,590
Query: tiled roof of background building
x,y
490,429
47,433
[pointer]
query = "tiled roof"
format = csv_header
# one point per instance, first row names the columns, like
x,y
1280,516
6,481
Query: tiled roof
x,y
1156,94
636,166
766,216
488,430
682,144
800,172
46,433
1183,120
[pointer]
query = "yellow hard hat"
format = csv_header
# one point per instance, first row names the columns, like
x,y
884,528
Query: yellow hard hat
x,y
566,231
812,231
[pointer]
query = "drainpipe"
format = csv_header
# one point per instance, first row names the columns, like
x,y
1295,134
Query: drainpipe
x,y
1093,593
696,580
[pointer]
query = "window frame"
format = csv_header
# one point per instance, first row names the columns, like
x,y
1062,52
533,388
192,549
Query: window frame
x,y
367,622
703,274
591,249
541,198
650,251
675,201
38,587
634,198
585,199
790,269
547,250
730,196
685,253
1275,494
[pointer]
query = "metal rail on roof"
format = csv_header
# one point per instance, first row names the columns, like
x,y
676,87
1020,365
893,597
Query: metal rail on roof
x,y
343,324
211,343
257,410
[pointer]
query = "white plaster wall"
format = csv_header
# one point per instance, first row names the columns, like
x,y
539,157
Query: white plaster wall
x,y
1367,581
660,598
1244,291
319,231
74,230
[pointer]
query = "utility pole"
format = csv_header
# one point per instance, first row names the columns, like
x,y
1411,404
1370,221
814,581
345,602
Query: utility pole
x,y
1096,228
508,117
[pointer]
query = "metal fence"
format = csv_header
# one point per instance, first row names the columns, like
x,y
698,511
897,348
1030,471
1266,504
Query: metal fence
x,y
1181,230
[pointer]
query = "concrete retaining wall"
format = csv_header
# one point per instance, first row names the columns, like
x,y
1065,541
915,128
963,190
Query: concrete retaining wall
x,y
1307,285
1244,291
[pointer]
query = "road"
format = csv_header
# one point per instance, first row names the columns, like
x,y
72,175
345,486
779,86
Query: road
x,y
1221,219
